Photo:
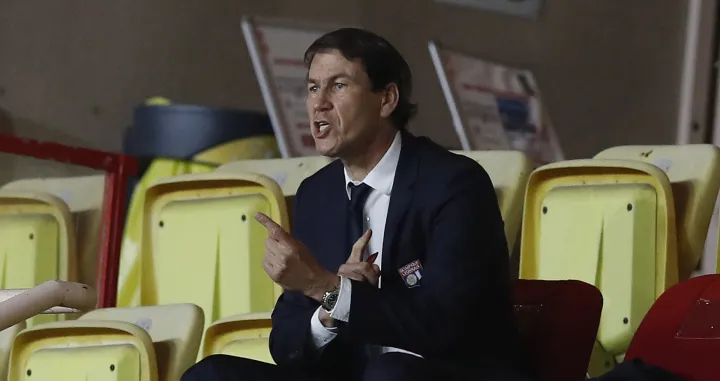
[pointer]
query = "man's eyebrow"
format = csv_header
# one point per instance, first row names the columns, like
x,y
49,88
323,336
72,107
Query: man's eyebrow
x,y
308,79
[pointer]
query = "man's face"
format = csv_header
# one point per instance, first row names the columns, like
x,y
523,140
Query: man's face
x,y
344,111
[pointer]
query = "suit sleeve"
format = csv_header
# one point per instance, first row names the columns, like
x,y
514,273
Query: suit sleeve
x,y
291,336
465,274
291,340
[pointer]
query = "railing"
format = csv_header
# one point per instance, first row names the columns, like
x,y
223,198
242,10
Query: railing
x,y
51,297
118,168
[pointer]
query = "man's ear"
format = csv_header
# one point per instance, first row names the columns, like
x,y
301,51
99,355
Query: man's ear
x,y
390,99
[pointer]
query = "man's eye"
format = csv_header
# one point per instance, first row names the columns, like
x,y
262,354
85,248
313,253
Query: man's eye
x,y
340,86
313,89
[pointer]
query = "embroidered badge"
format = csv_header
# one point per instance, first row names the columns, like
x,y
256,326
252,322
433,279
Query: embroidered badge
x,y
411,273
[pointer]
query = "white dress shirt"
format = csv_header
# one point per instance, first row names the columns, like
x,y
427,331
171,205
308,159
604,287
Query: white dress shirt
x,y
375,211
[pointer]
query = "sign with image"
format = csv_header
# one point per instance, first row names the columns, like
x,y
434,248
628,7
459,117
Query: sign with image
x,y
495,107
276,50
524,8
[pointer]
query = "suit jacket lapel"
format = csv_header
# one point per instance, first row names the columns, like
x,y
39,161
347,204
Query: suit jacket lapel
x,y
400,198
337,210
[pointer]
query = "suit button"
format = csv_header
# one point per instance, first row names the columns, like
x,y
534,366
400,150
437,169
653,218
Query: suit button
x,y
294,355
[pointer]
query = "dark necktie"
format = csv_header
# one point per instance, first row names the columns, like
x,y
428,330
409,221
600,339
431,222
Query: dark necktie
x,y
358,195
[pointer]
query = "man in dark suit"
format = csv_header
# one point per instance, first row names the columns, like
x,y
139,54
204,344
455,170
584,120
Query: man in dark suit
x,y
397,265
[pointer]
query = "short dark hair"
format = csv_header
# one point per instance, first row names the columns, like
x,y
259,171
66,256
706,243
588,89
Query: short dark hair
x,y
382,62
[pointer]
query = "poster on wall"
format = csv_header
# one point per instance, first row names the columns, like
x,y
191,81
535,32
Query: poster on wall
x,y
523,8
276,50
495,107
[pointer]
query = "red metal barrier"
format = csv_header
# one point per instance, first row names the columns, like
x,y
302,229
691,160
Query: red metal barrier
x,y
117,169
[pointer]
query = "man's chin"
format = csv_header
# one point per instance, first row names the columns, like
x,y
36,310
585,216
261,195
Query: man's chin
x,y
331,152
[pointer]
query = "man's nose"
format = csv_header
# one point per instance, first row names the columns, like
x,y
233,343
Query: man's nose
x,y
321,103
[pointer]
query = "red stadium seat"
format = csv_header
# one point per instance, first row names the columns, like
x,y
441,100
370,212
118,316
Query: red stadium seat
x,y
558,323
681,332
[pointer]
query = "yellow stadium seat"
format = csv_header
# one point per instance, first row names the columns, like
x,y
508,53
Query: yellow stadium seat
x,y
128,292
175,329
143,343
203,226
83,196
160,168
7,336
509,171
253,147
83,350
244,335
694,172
288,173
18,305
609,223
37,241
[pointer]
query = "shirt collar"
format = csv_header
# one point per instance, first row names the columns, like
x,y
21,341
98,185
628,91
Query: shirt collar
x,y
382,176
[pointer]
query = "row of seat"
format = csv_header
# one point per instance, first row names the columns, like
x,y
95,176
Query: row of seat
x,y
150,279
632,221
161,342
642,213
558,322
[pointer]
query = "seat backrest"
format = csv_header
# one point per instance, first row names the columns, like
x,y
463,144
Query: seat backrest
x,y
557,321
203,225
83,350
245,335
509,171
7,337
694,172
681,332
83,196
175,329
37,243
288,173
128,293
608,223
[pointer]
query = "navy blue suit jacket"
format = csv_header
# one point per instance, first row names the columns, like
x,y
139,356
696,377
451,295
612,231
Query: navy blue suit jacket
x,y
443,212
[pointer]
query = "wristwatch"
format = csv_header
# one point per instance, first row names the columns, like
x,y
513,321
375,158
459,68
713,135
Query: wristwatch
x,y
330,299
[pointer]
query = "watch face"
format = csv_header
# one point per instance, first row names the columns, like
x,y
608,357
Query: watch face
x,y
330,300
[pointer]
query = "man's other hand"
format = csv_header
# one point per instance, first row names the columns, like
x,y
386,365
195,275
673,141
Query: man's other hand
x,y
357,269
289,263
